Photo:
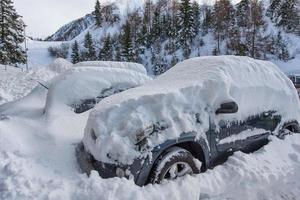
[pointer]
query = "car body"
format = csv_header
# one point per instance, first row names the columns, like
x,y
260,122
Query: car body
x,y
189,119
295,78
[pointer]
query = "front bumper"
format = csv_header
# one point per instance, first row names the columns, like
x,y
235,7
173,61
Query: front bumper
x,y
139,170
87,164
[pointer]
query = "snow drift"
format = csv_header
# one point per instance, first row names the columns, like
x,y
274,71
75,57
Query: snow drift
x,y
17,83
191,91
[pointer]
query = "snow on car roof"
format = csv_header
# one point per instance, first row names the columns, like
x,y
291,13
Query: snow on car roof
x,y
111,64
82,83
195,87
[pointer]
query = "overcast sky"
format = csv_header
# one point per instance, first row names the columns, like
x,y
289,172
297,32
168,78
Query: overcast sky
x,y
44,17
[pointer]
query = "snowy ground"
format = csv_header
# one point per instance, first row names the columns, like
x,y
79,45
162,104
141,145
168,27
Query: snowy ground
x,y
38,54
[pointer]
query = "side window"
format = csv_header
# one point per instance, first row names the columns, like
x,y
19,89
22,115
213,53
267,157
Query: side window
x,y
267,120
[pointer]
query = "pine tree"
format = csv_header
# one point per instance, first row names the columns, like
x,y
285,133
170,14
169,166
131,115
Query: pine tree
x,y
281,49
127,53
289,17
208,20
243,13
273,10
187,31
90,53
11,34
106,53
223,17
257,23
156,25
98,14
75,53
196,16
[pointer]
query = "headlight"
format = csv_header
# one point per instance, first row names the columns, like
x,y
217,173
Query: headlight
x,y
120,173
139,137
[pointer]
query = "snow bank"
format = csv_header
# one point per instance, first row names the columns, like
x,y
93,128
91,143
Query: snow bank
x,y
185,95
110,64
269,173
16,83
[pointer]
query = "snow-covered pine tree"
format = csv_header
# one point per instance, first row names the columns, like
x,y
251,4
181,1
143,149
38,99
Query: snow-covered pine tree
x,y
75,53
127,53
156,25
240,29
187,25
273,10
11,35
196,16
255,38
282,51
90,52
289,16
243,14
223,17
207,23
98,14
106,53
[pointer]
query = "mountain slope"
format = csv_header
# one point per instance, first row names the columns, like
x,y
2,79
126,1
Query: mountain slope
x,y
72,29
161,50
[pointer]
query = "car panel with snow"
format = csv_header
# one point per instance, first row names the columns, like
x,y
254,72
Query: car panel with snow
x,y
189,119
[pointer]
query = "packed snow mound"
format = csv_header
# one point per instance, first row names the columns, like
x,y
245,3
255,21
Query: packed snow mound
x,y
110,64
188,93
60,65
16,83
84,83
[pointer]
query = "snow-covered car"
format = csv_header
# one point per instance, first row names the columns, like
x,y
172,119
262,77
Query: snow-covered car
x,y
295,78
62,105
189,118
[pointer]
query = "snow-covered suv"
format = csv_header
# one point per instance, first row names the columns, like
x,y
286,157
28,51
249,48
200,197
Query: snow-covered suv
x,y
189,119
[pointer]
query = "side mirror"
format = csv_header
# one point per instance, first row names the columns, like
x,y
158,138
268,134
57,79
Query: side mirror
x,y
228,108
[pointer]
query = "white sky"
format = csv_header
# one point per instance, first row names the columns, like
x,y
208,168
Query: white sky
x,y
44,17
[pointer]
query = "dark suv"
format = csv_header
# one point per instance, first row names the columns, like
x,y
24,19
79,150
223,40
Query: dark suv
x,y
189,119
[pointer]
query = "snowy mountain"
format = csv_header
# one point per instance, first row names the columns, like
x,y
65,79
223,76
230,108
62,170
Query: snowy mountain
x,y
156,33
71,30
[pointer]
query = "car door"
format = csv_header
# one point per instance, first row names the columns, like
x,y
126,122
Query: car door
x,y
228,138
248,135
262,126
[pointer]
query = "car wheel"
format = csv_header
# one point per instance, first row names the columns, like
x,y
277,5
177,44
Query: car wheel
x,y
176,162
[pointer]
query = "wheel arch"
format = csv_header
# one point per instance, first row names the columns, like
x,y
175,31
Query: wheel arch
x,y
198,148
292,126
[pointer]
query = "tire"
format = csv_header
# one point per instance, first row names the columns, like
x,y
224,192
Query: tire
x,y
175,162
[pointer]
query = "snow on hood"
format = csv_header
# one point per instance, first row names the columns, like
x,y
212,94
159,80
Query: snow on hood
x,y
182,99
83,83
111,64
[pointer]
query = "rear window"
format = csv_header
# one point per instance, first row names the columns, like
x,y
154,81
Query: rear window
x,y
87,104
